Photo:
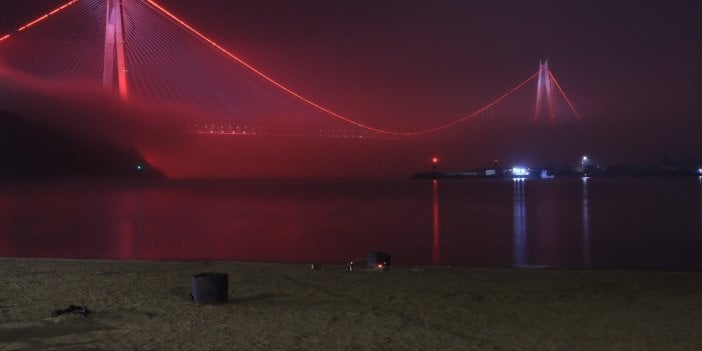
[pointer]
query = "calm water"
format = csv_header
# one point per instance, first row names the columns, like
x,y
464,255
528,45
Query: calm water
x,y
595,223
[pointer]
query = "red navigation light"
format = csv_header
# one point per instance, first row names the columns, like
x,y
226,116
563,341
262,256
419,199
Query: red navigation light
x,y
435,163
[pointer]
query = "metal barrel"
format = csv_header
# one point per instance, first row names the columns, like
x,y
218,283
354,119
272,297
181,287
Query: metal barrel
x,y
210,288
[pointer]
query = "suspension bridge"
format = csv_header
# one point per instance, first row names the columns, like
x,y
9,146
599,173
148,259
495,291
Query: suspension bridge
x,y
142,52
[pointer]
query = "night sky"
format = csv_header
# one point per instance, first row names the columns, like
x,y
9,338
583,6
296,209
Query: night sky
x,y
632,69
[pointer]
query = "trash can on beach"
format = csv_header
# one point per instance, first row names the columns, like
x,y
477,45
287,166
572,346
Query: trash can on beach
x,y
210,288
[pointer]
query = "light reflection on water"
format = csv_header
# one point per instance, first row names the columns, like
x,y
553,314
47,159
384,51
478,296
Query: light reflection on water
x,y
587,254
630,223
520,224
123,206
436,243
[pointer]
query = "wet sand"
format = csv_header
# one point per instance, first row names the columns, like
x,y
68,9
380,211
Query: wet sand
x,y
140,305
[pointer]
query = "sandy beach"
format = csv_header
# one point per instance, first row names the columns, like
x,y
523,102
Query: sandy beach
x,y
138,305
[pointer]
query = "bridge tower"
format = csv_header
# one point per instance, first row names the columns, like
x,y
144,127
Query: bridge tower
x,y
544,89
115,65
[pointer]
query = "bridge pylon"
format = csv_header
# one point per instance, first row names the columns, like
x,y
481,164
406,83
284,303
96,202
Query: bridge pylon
x,y
115,65
544,90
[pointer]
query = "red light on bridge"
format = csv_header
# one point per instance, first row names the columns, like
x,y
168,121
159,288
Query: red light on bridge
x,y
33,22
318,106
435,160
41,19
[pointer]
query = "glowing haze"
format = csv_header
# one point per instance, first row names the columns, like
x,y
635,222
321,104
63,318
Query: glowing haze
x,y
629,68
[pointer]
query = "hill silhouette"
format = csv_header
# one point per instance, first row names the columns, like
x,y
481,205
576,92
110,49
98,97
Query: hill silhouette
x,y
30,151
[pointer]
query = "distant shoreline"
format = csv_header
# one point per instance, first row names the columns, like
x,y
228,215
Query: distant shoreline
x,y
481,175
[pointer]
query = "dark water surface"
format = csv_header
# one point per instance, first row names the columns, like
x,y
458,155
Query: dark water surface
x,y
646,223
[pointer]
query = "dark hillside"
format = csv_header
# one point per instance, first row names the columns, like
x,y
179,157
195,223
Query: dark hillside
x,y
29,151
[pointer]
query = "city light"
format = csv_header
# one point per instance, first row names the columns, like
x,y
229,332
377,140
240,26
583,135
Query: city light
x,y
520,172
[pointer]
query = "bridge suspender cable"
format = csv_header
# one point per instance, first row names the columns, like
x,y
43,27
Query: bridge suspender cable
x,y
316,105
293,93
570,104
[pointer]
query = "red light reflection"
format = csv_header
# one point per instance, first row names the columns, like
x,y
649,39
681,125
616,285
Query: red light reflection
x,y
436,257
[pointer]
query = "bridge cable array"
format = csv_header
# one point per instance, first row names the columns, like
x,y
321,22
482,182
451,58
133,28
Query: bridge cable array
x,y
199,84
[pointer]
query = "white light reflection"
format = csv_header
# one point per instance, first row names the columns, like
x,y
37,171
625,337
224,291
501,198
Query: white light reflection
x,y
700,203
520,225
436,257
587,254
